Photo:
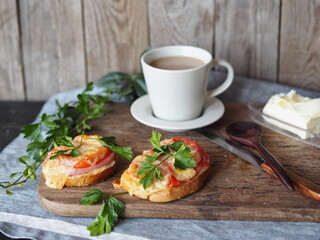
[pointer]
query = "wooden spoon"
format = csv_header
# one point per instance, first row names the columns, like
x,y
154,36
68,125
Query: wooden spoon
x,y
249,134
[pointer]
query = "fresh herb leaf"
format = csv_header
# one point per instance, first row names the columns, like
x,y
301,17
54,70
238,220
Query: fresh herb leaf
x,y
9,193
147,179
183,158
124,85
24,160
59,153
122,152
13,175
66,141
74,153
151,158
100,224
110,142
92,196
145,168
48,121
148,170
36,149
155,140
158,174
113,81
139,85
109,213
176,145
32,132
115,209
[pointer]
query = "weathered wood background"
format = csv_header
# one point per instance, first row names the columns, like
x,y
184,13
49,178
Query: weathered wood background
x,y
48,46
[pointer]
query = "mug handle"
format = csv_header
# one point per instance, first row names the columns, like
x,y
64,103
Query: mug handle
x,y
224,86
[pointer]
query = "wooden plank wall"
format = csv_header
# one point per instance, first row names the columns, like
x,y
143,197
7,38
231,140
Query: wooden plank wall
x,y
51,46
11,79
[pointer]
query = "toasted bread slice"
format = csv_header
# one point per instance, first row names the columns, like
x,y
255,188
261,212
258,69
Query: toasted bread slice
x,y
61,178
186,181
93,164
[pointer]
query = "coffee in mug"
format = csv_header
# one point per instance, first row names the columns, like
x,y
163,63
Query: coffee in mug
x,y
177,79
176,63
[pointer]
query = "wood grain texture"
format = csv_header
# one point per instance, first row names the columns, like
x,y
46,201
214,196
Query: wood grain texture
x,y
300,184
52,39
235,190
116,33
181,22
11,80
247,36
300,44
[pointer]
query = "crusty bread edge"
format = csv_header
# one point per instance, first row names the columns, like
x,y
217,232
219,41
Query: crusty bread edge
x,y
169,193
186,188
92,177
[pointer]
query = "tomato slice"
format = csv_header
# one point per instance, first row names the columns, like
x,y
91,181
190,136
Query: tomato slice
x,y
89,160
173,182
84,160
82,164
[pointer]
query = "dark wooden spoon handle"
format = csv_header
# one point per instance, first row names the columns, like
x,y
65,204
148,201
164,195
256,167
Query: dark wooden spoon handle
x,y
276,167
300,184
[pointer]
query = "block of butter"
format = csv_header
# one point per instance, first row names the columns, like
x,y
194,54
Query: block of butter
x,y
295,110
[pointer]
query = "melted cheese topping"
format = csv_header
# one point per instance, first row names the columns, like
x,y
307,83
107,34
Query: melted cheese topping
x,y
183,175
56,175
57,171
130,180
91,152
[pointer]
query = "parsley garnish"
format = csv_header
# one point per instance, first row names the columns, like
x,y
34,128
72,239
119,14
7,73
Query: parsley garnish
x,y
109,213
149,170
123,85
66,141
110,142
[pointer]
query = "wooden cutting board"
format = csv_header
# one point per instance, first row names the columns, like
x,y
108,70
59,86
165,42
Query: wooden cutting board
x,y
236,190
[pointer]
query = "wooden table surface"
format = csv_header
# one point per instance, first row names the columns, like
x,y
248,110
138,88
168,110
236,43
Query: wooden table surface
x,y
14,115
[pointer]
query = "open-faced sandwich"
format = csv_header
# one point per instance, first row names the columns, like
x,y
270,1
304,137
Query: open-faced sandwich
x,y
171,170
82,161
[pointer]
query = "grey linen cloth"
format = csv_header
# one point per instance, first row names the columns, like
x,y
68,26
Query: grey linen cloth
x,y
21,215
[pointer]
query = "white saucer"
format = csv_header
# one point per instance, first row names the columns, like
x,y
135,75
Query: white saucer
x,y
141,110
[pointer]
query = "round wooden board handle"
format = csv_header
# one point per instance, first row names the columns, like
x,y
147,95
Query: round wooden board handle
x,y
300,184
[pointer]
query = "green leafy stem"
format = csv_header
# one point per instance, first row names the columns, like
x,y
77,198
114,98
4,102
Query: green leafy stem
x,y
182,159
109,213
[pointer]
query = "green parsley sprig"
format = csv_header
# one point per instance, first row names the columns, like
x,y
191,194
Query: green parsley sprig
x,y
182,159
124,85
66,141
71,119
109,213
111,143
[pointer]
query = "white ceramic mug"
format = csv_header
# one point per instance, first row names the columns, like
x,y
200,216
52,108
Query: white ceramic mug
x,y
179,95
